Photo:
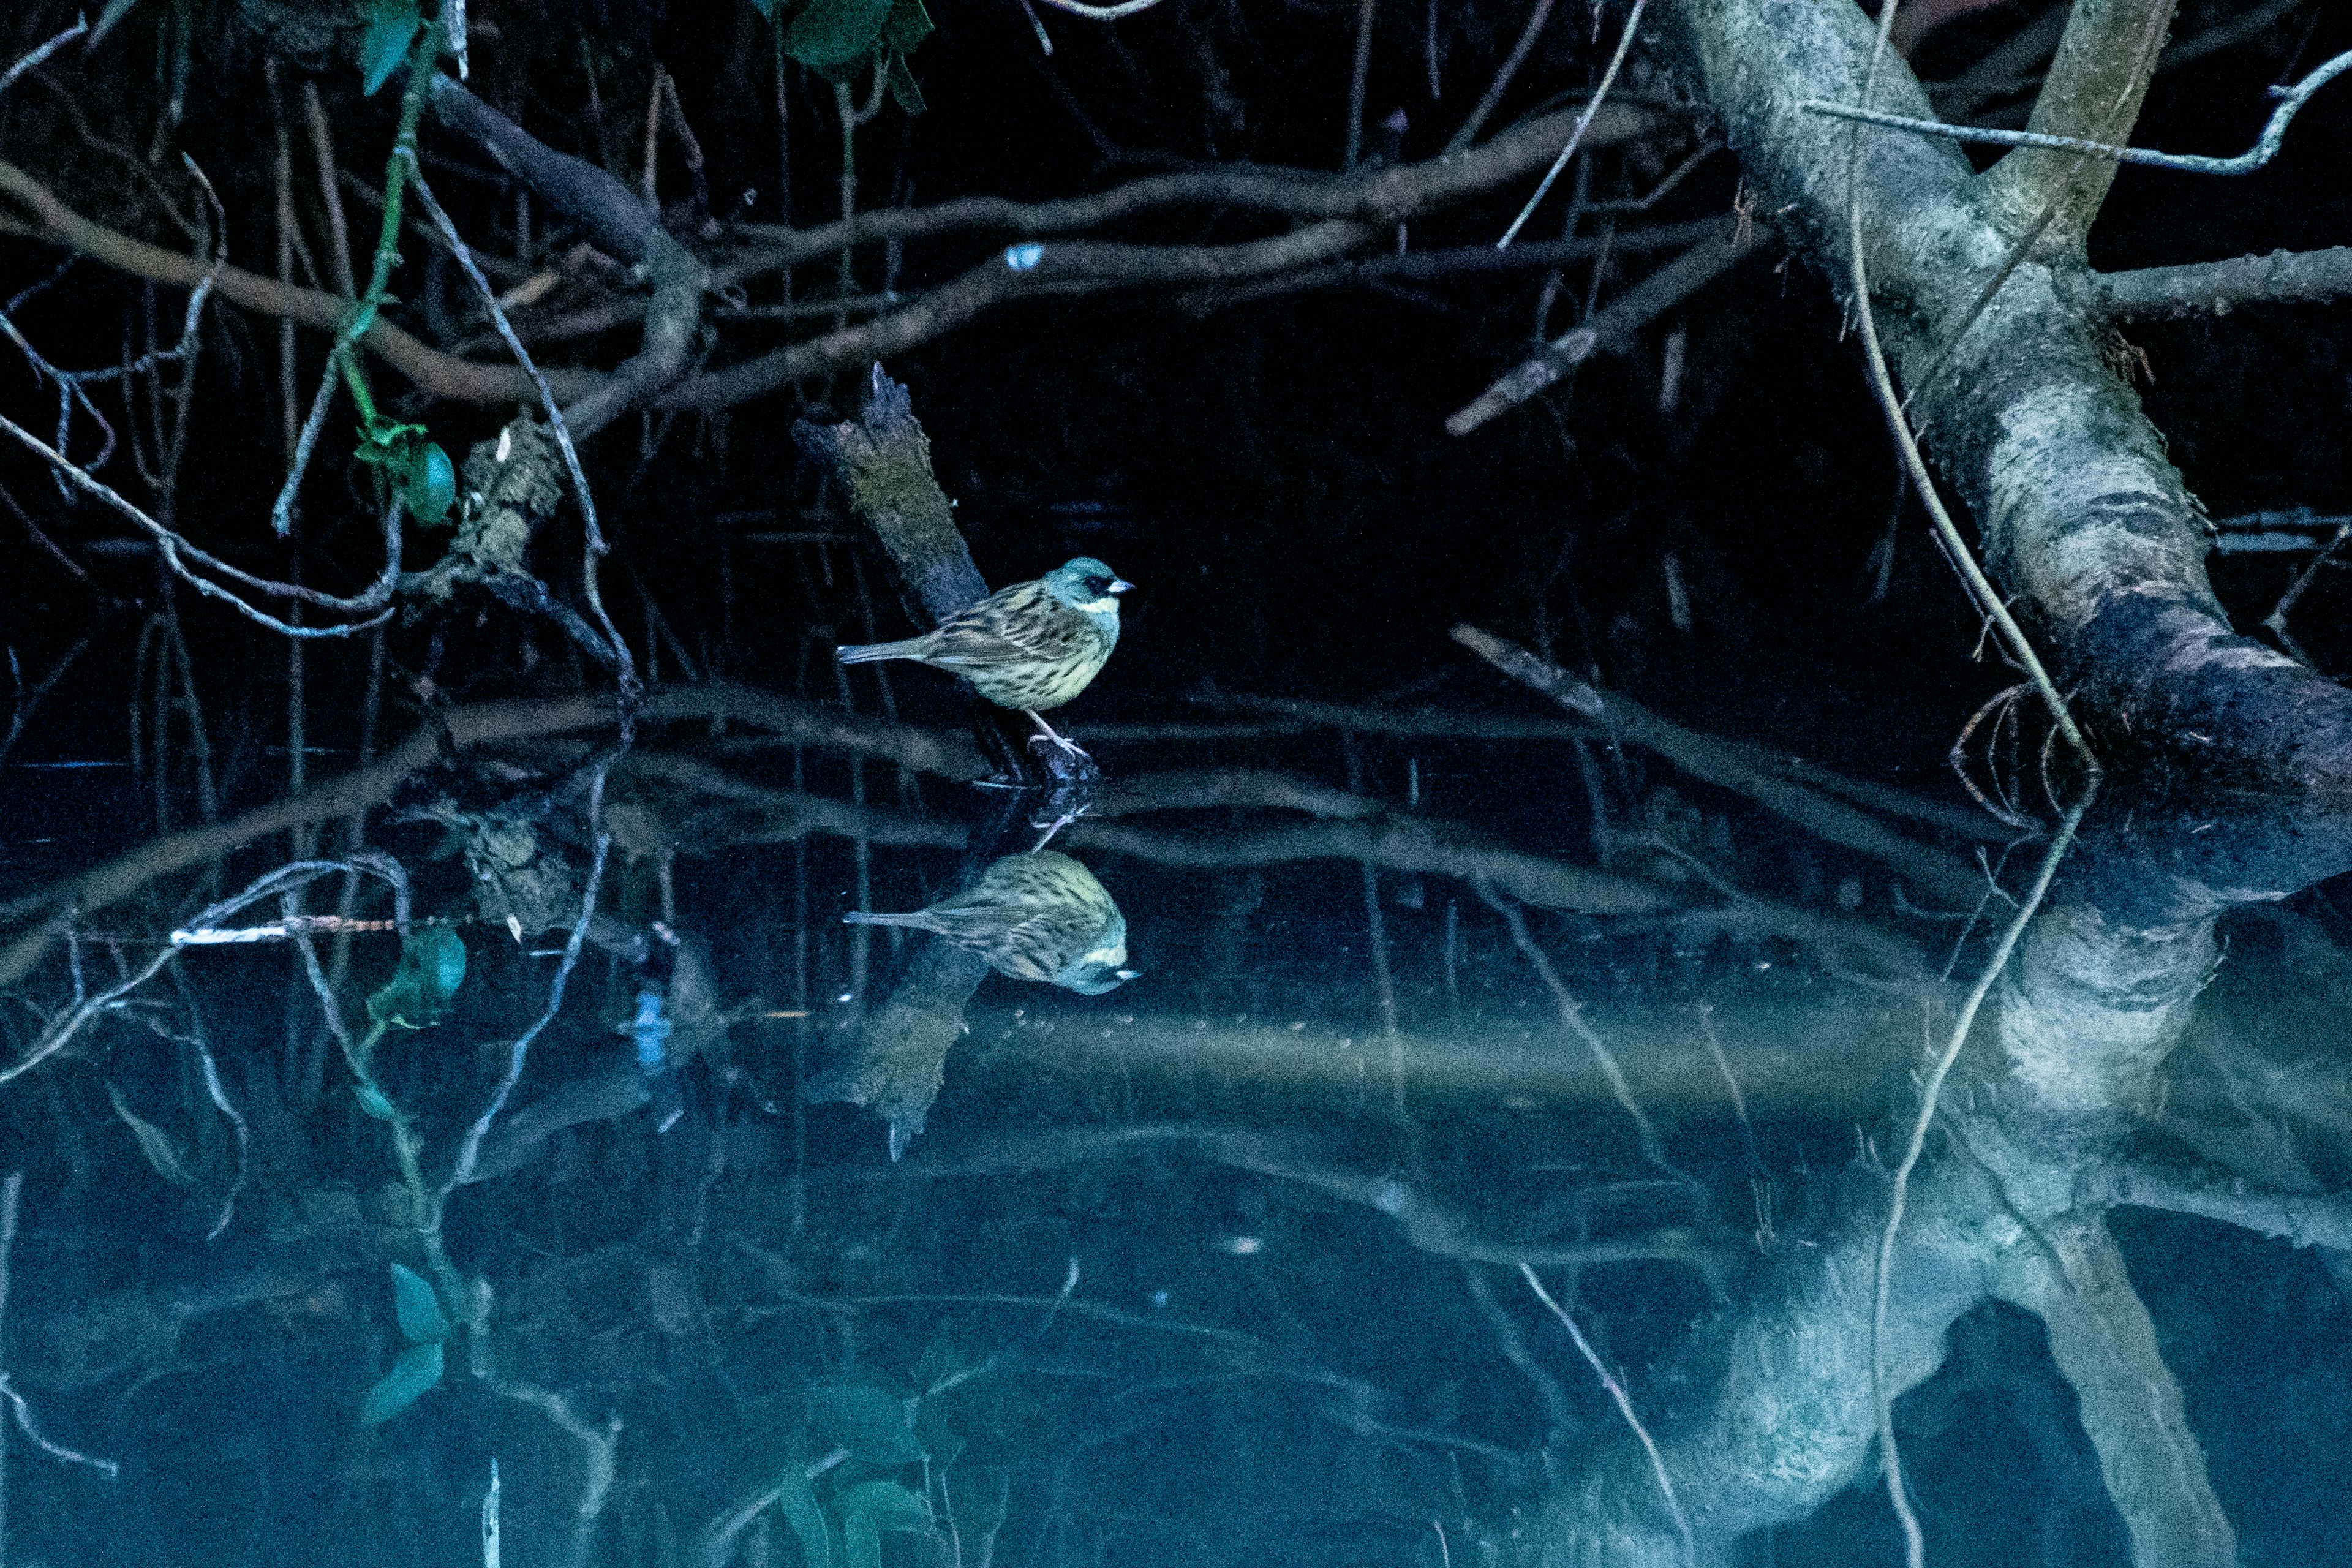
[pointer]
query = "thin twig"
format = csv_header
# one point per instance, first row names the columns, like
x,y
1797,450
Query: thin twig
x,y
2277,619
1899,1185
28,701
23,1412
322,152
61,1032
1624,1405
243,1137
1364,10
1571,1013
170,545
1494,89
283,173
32,62
649,186
1576,137
471,1148
594,533
1882,382
2265,147
1915,1545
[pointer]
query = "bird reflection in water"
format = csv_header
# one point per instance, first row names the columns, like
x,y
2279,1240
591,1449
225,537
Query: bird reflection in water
x,y
1040,916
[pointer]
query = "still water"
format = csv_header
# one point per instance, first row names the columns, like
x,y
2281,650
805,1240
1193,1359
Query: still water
x,y
1258,1238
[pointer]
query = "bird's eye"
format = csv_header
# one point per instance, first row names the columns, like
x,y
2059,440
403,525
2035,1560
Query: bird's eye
x,y
1098,585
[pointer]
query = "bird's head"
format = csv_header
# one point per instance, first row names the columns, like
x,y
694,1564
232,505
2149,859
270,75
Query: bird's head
x,y
1086,583
1102,967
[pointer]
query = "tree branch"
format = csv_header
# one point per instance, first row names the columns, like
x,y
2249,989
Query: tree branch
x,y
1019,272
2282,278
2102,1340
1611,329
2082,521
618,223
1379,196
440,375
2093,89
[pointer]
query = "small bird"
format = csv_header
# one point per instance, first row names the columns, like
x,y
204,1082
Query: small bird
x,y
1040,916
1028,647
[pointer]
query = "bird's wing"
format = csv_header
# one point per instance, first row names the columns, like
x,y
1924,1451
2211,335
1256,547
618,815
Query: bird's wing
x,y
983,924
1021,624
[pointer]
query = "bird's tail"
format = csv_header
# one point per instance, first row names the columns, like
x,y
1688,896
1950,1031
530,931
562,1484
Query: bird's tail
x,y
867,652
917,919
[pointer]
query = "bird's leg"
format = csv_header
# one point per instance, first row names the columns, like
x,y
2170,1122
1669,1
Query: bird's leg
x,y
1068,747
1062,807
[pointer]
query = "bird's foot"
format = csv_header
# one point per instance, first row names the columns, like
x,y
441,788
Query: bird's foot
x,y
1064,760
1062,807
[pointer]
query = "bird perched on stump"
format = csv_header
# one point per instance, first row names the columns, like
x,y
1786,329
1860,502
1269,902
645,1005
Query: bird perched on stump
x,y
1030,647
1040,916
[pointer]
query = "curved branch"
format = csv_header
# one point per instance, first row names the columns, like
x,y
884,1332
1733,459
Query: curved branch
x,y
619,222
1111,13
440,375
1356,207
1019,272
1398,843
2264,149
1383,197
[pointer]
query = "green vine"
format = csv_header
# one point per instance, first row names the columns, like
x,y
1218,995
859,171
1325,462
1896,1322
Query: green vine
x,y
420,472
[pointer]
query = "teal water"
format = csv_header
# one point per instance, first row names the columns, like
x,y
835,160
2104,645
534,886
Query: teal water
x,y
1223,1266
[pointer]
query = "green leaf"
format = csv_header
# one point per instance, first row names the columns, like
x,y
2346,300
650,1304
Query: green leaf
x,y
153,1143
797,1503
418,1309
870,1422
421,473
832,32
431,968
871,1508
418,1370
429,488
392,27
372,1101
907,25
904,90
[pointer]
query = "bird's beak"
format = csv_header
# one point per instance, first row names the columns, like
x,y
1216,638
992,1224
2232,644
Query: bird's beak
x,y
1118,586
1129,973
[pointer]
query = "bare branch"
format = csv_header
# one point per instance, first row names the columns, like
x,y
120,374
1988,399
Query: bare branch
x,y
441,374
172,546
1380,196
619,222
1613,329
2093,89
1583,123
2282,278
2264,149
